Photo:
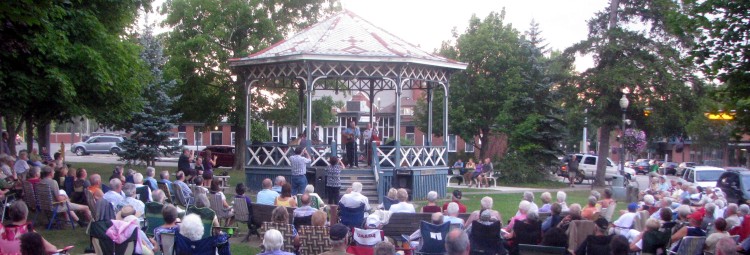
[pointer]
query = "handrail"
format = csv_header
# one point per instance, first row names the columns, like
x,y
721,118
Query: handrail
x,y
279,154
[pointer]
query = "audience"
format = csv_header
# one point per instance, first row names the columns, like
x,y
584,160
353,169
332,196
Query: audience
x,y
338,235
216,189
201,201
310,190
553,219
529,196
149,180
267,196
456,198
523,210
279,182
720,227
138,180
286,199
457,243
403,205
355,198
730,215
129,190
169,213
588,212
486,204
273,241
164,178
96,186
452,215
319,218
598,243
115,195
726,246
32,243
574,213
62,196
180,181
384,248
561,197
192,228
546,202
431,206
12,231
305,210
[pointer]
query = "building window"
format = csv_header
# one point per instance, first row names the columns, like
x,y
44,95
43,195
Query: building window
x,y
330,134
181,135
216,137
408,111
469,147
232,135
451,143
410,134
293,133
198,138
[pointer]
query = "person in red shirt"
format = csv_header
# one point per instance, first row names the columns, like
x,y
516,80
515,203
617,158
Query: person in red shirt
x,y
457,199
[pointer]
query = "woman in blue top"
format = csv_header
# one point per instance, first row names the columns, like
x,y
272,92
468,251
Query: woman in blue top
x,y
476,176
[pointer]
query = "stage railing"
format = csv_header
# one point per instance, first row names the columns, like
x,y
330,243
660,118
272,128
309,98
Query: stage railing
x,y
411,156
277,155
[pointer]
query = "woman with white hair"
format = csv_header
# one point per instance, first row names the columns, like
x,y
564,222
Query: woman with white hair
x,y
273,241
486,204
546,202
561,197
403,205
310,190
523,210
432,206
192,227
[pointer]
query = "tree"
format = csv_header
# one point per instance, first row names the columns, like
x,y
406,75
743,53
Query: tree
x,y
645,64
534,36
724,52
67,58
206,34
287,110
151,127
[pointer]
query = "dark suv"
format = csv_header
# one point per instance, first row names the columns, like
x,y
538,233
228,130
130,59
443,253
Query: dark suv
x,y
736,185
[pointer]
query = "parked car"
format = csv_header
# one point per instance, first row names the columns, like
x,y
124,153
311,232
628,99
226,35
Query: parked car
x,y
668,168
704,176
641,167
224,154
98,144
630,164
736,185
587,166
681,167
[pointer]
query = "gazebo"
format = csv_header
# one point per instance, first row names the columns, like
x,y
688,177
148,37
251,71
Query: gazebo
x,y
347,53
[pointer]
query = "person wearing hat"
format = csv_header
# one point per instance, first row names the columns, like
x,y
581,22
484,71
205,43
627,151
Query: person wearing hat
x,y
338,235
598,243
456,199
625,222
663,184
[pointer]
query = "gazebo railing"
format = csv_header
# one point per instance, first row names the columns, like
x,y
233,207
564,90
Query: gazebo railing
x,y
411,156
278,155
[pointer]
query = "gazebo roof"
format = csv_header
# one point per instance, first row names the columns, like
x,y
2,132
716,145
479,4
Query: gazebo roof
x,y
346,37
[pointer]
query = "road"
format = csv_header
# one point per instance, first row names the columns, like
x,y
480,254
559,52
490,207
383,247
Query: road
x,y
97,158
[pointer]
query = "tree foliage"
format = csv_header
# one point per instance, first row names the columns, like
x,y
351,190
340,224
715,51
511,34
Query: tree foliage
x,y
649,65
287,110
151,128
206,34
68,58
507,88
724,52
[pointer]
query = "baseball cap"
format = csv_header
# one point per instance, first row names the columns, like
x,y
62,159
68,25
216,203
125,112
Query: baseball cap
x,y
338,231
457,194
602,223
632,207
373,221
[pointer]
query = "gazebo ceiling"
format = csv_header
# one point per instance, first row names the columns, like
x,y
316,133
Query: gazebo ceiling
x,y
346,37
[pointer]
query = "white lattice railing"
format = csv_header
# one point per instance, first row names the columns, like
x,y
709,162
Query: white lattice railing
x,y
412,156
278,155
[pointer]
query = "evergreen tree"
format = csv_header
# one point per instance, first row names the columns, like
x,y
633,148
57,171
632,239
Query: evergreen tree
x,y
151,127
534,36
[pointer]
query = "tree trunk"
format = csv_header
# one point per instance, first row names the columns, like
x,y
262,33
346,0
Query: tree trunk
x,y
43,133
239,148
484,139
29,132
603,153
14,126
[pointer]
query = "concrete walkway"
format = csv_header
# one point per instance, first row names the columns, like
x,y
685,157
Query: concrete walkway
x,y
507,190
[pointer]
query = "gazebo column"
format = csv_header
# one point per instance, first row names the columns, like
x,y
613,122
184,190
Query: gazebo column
x,y
248,109
372,96
429,115
302,98
309,85
398,123
445,121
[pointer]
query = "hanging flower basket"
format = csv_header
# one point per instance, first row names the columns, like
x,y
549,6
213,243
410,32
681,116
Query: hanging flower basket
x,y
634,140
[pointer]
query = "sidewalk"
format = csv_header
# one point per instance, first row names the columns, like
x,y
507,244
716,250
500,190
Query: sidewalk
x,y
506,190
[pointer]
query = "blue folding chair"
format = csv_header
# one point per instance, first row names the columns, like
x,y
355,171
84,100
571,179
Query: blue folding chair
x,y
208,245
433,237
352,217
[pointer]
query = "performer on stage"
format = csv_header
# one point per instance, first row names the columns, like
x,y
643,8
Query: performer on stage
x,y
366,142
350,136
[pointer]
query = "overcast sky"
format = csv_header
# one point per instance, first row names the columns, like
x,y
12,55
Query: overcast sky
x,y
429,22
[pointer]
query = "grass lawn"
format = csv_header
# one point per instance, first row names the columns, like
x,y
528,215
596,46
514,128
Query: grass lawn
x,y
80,239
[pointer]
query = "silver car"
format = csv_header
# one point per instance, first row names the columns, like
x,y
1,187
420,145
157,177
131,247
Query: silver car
x,y
98,144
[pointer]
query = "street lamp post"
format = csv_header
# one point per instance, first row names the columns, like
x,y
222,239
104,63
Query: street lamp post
x,y
624,106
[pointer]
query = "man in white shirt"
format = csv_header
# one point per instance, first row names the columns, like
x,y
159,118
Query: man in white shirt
x,y
138,179
129,190
21,165
355,198
730,215
403,206
115,196
625,222
452,215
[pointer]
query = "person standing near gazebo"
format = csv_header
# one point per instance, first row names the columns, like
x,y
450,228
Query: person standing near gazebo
x,y
350,137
